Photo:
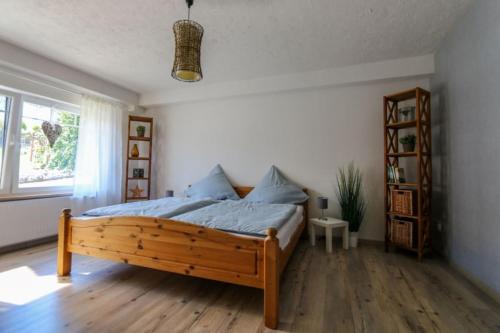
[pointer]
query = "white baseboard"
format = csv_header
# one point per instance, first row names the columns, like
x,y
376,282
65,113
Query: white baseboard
x,y
476,282
27,244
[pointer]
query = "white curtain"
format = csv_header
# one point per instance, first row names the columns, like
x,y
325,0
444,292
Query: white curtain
x,y
99,159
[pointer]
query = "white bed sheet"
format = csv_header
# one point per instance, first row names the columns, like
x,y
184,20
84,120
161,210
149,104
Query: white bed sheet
x,y
288,229
286,232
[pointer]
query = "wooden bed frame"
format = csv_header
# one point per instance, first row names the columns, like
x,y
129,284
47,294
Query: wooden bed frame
x,y
182,248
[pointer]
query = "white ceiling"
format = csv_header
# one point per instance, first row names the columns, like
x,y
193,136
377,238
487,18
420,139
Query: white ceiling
x,y
130,42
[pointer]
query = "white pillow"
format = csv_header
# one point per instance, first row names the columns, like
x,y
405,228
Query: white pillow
x,y
215,186
275,188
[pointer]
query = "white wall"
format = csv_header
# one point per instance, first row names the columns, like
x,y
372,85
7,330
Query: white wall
x,y
16,60
22,70
308,134
26,220
392,69
467,169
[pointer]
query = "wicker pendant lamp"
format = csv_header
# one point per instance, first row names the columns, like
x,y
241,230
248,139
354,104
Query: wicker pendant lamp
x,y
188,36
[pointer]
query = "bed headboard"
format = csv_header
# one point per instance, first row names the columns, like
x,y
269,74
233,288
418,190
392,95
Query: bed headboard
x,y
243,191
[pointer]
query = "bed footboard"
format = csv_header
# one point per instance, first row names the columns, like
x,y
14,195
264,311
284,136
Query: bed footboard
x,y
63,254
176,247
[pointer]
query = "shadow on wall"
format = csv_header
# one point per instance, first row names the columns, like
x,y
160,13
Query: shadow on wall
x,y
441,226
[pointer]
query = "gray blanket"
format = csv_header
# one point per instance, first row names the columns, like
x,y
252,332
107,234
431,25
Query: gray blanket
x,y
165,207
240,216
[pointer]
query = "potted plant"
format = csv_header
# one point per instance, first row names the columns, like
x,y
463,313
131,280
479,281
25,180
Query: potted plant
x,y
408,143
350,197
141,131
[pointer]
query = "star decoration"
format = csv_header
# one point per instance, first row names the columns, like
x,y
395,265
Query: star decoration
x,y
137,191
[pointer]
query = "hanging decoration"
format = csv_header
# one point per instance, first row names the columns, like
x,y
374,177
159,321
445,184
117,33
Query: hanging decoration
x,y
52,132
188,35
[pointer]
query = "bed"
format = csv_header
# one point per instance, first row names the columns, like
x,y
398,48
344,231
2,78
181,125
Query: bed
x,y
184,248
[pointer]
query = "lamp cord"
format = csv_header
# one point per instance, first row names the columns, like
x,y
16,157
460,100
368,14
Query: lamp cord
x,y
189,4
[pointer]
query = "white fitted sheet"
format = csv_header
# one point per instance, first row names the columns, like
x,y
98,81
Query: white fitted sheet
x,y
286,232
288,229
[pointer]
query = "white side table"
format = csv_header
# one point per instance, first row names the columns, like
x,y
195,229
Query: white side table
x,y
329,224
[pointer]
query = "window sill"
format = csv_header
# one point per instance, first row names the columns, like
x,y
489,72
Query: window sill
x,y
18,197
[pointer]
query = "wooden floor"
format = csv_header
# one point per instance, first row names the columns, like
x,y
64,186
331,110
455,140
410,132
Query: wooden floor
x,y
361,290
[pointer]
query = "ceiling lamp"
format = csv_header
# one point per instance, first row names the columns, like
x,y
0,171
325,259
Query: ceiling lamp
x,y
188,36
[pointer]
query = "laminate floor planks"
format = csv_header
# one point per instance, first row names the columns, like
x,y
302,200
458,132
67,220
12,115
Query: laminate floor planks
x,y
359,290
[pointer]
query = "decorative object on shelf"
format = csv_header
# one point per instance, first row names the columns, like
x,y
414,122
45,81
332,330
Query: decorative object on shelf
x,y
136,191
169,193
395,175
350,197
138,173
141,131
408,142
400,175
407,113
52,132
135,151
322,204
188,35
408,205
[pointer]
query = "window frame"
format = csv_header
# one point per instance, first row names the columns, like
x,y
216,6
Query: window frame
x,y
9,153
9,184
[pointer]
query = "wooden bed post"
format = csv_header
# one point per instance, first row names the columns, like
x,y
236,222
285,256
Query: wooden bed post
x,y
271,279
63,255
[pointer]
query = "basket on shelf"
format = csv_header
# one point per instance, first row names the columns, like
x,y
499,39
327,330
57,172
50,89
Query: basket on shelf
x,y
404,202
402,233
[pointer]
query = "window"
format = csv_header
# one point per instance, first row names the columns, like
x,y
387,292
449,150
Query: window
x,y
4,118
41,165
45,134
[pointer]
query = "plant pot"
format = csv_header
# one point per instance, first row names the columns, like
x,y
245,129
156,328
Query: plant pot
x,y
408,147
141,131
353,239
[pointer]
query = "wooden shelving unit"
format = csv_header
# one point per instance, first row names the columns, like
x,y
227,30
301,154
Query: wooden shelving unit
x,y
145,142
420,159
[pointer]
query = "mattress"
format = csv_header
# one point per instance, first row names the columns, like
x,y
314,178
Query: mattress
x,y
286,232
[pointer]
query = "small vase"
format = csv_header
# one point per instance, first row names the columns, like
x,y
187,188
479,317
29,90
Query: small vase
x,y
408,147
135,151
353,239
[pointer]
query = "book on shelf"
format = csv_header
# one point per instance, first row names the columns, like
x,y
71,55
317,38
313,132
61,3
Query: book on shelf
x,y
400,175
389,174
395,175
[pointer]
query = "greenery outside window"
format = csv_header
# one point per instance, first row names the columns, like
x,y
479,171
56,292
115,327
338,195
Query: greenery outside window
x,y
39,164
32,166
